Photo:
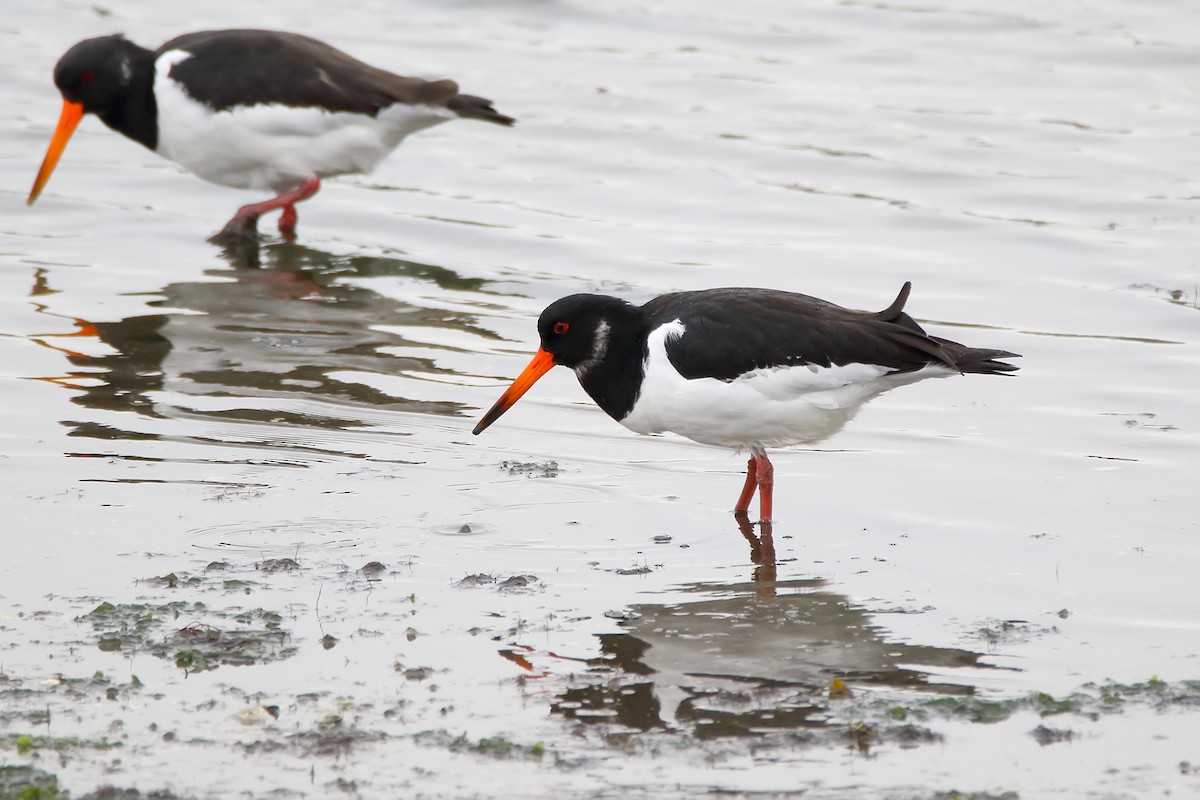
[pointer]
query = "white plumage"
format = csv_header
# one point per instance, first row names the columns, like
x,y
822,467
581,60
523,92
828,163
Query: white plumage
x,y
271,147
760,409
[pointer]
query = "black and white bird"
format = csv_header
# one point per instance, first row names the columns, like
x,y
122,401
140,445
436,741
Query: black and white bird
x,y
741,368
252,109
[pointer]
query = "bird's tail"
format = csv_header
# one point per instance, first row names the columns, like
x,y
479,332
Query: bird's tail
x,y
472,107
977,360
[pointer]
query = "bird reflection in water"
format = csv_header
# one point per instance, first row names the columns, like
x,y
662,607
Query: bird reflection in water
x,y
762,551
744,658
286,326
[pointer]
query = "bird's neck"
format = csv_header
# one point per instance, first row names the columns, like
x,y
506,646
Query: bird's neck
x,y
136,113
615,379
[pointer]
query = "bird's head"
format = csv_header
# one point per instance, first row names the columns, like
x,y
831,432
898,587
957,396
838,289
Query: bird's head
x,y
96,72
574,333
92,76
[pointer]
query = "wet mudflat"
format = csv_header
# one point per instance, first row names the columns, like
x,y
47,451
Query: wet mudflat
x,y
251,548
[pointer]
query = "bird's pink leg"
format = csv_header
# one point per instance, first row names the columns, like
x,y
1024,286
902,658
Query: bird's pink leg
x,y
245,221
287,222
766,484
751,484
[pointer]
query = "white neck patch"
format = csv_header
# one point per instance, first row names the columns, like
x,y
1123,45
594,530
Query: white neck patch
x,y
599,348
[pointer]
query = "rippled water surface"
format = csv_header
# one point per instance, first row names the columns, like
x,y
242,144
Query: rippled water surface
x,y
251,548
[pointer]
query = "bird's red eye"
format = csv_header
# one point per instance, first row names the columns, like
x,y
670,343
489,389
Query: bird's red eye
x,y
561,328
88,76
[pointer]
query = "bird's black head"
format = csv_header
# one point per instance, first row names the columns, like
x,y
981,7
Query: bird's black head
x,y
110,77
97,72
576,330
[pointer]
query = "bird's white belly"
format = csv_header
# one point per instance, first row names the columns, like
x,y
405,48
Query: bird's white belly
x,y
764,408
275,147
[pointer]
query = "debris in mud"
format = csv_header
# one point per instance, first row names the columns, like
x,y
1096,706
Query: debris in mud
x,y
373,569
20,782
334,741
517,582
277,565
113,793
257,715
982,710
910,736
1046,736
1158,693
1012,631
173,581
1181,297
532,469
331,737
415,674
1142,419
26,744
204,582
511,583
128,626
197,646
33,706
478,579
495,746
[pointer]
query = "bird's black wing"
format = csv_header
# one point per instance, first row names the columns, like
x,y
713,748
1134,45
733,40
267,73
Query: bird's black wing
x,y
249,67
729,332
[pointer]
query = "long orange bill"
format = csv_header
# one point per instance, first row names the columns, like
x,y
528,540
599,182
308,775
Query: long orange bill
x,y
67,122
541,364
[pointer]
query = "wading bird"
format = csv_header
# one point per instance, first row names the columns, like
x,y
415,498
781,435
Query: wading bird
x,y
742,368
251,109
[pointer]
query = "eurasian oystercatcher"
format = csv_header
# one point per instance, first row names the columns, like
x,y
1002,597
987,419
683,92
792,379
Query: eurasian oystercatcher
x,y
742,368
251,109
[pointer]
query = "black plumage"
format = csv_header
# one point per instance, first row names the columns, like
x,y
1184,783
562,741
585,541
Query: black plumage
x,y
249,67
730,332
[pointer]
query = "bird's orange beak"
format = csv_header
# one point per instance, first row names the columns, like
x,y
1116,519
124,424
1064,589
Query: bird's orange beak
x,y
539,366
67,122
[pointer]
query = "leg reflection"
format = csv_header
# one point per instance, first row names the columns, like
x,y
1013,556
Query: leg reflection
x,y
762,548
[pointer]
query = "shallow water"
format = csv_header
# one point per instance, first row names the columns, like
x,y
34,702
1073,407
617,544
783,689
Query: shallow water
x,y
564,606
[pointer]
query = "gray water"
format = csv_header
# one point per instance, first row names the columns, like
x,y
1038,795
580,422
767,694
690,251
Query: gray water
x,y
565,608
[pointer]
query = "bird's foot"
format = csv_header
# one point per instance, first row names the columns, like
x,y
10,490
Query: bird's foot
x,y
239,240
743,518
239,230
